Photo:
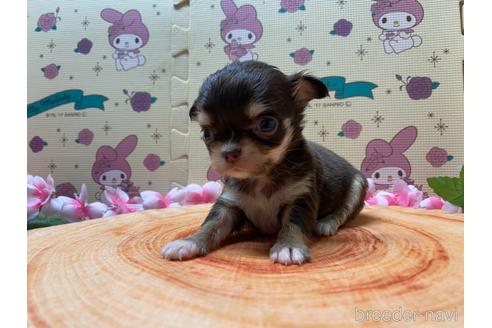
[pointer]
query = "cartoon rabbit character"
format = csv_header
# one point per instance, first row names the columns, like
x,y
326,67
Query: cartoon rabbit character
x,y
240,30
385,161
127,35
396,19
111,167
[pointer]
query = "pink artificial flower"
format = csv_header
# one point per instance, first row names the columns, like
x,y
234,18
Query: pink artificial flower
x,y
178,195
406,195
39,192
371,188
450,208
194,194
209,193
382,198
77,209
119,202
432,203
154,200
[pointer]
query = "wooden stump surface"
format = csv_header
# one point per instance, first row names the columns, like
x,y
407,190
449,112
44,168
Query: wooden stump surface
x,y
108,273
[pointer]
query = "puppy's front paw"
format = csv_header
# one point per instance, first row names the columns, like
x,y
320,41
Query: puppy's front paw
x,y
182,249
327,228
289,254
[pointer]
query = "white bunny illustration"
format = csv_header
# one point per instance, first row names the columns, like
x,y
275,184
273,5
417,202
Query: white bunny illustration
x,y
240,30
127,35
396,18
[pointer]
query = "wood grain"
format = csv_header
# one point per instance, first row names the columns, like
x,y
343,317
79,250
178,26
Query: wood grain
x,y
108,273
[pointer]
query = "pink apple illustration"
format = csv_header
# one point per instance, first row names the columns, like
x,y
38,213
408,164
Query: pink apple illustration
x,y
437,157
85,137
302,56
291,6
152,162
139,101
37,144
418,87
47,22
51,71
350,129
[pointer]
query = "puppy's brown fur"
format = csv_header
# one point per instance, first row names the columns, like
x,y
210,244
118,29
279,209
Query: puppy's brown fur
x,y
252,118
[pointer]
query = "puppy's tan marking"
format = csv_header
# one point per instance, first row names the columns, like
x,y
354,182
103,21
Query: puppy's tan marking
x,y
255,110
277,154
203,119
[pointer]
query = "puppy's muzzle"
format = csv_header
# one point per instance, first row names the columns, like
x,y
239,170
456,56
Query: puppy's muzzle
x,y
231,156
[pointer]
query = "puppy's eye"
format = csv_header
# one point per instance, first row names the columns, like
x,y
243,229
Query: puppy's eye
x,y
266,125
122,176
118,41
384,20
377,175
229,36
400,173
206,135
137,40
104,178
250,36
409,18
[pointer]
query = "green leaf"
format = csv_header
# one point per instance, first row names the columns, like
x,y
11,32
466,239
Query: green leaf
x,y
450,189
435,85
38,29
282,10
153,99
43,221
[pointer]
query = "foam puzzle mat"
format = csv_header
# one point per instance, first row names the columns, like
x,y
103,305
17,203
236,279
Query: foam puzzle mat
x,y
110,83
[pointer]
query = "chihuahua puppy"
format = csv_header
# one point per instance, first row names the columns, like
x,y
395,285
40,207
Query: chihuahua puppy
x,y
251,116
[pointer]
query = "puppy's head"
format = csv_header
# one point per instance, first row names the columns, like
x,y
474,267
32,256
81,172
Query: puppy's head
x,y
250,113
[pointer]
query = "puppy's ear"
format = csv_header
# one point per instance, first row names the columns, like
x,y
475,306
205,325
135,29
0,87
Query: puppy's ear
x,y
306,88
193,112
198,115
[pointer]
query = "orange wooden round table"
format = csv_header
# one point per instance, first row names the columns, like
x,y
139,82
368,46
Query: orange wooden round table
x,y
108,273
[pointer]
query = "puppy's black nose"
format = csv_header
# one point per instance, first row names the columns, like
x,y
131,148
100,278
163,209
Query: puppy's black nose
x,y
231,156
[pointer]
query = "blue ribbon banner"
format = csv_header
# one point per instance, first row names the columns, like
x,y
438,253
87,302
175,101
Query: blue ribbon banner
x,y
347,90
76,96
